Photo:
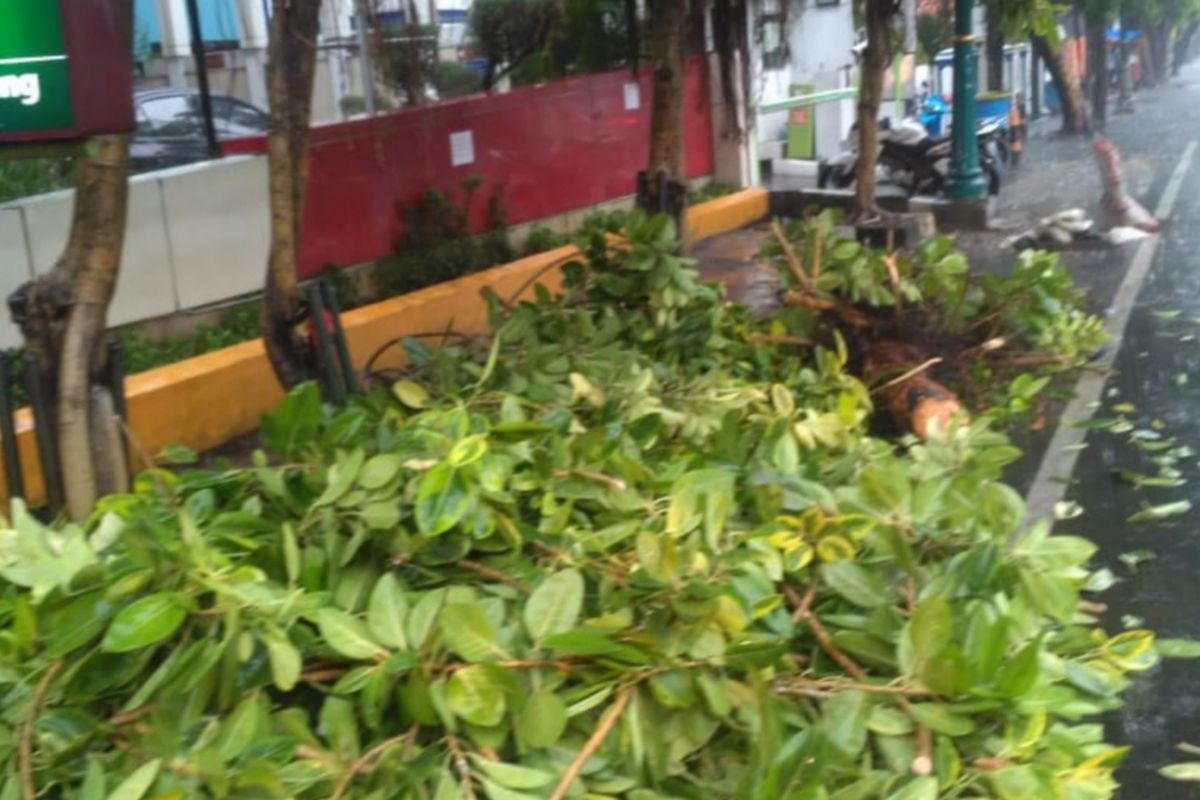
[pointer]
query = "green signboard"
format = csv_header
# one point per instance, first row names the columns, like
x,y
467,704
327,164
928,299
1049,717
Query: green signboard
x,y
35,88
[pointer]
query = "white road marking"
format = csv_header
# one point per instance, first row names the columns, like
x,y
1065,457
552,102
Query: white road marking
x,y
1058,465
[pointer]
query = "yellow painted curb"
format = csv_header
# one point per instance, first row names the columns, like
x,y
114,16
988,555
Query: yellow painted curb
x,y
724,214
205,401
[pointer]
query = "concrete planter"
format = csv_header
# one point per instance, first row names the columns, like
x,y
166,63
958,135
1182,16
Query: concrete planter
x,y
205,401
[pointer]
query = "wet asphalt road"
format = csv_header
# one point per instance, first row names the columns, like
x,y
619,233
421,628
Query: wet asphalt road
x,y
1157,372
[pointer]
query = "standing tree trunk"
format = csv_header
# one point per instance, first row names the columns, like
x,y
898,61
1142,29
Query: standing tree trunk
x,y
91,447
876,58
290,69
1074,112
995,47
62,316
1097,40
661,187
1124,84
1154,68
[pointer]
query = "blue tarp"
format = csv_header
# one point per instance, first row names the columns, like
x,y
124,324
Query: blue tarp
x,y
218,22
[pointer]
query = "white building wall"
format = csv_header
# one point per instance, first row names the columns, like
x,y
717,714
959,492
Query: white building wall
x,y
820,37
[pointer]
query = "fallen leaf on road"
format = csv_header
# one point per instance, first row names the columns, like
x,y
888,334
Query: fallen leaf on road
x,y
1160,512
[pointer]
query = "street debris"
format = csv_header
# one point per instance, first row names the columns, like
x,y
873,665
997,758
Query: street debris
x,y
1118,209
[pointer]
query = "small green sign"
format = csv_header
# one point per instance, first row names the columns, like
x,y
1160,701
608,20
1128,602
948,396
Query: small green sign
x,y
35,90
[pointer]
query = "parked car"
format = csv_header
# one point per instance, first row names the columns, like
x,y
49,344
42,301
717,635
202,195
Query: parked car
x,y
170,126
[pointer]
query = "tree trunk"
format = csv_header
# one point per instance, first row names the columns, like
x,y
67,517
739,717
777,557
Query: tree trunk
x,y
876,58
1098,68
414,83
662,187
1154,69
1074,113
62,316
995,48
290,69
1124,84
1183,46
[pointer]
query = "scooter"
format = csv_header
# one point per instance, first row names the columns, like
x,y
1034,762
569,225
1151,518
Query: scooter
x,y
912,159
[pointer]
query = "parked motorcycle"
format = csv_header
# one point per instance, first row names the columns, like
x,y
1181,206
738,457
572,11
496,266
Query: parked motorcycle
x,y
912,159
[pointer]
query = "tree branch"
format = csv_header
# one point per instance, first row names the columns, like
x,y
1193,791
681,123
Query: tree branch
x,y
25,746
593,743
804,612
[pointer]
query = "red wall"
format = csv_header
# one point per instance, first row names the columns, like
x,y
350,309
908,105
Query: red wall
x,y
546,149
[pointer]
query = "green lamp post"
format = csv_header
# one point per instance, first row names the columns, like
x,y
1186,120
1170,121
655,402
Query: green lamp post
x,y
966,178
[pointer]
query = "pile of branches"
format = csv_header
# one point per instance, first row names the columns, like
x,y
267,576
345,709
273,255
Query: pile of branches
x,y
626,547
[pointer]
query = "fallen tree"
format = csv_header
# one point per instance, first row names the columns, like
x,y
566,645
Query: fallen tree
x,y
630,550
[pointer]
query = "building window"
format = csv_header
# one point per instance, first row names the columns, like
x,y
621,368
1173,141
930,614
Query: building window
x,y
774,48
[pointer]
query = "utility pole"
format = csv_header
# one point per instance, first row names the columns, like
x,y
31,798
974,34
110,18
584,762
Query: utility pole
x,y
966,178
210,130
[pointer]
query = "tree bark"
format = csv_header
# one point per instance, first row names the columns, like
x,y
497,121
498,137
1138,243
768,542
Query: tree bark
x,y
1154,68
995,47
876,57
1074,112
290,70
1124,84
90,449
63,316
662,188
1098,68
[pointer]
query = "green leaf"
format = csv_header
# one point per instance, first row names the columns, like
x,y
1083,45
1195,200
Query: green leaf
x,y
380,470
929,630
387,613
240,729
286,662
468,632
38,557
543,720
1053,595
1182,771
924,788
889,721
701,497
144,622
1062,552
138,783
495,791
93,781
475,695
293,426
1177,648
347,635
844,722
1017,783
467,451
177,454
424,614
1020,673
939,718
442,500
340,477
381,516
1161,512
855,583
513,776
410,394
555,605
